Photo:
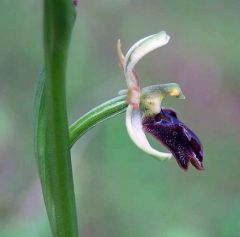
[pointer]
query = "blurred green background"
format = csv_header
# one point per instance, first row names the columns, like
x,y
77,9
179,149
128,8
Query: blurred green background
x,y
121,191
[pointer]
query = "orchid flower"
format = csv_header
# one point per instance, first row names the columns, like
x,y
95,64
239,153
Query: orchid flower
x,y
145,114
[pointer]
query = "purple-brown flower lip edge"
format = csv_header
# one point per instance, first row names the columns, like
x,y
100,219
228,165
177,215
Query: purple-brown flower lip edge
x,y
183,143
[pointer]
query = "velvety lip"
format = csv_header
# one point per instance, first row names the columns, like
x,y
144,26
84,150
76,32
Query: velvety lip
x,y
177,137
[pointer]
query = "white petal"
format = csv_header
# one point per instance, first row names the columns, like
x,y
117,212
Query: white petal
x,y
140,49
136,133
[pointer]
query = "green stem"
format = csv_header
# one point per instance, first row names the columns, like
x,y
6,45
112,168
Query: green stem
x,y
98,114
52,138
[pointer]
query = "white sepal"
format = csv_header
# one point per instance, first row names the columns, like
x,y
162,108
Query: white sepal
x,y
139,50
136,133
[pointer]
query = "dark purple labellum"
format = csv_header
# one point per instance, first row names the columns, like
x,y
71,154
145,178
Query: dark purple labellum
x,y
177,137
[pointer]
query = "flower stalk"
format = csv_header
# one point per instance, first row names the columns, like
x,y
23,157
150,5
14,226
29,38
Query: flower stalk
x,y
99,114
51,123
